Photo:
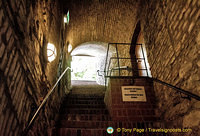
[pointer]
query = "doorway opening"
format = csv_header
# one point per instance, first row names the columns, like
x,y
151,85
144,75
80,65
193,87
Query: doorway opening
x,y
141,52
84,68
87,59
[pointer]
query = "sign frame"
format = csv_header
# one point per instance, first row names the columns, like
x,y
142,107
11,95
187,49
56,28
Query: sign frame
x,y
133,94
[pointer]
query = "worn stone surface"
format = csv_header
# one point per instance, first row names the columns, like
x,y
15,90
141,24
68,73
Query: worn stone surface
x,y
198,63
196,105
184,69
26,76
171,34
192,119
172,114
2,50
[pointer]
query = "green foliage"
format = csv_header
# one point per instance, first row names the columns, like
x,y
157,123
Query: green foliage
x,y
79,74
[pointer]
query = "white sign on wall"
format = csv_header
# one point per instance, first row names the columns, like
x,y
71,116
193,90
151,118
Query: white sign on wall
x,y
133,93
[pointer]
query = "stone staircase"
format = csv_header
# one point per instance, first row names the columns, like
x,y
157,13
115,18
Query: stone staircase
x,y
83,115
86,115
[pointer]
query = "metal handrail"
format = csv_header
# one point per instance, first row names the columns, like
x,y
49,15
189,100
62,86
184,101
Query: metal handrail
x,y
98,71
117,68
108,62
45,98
121,68
178,89
107,69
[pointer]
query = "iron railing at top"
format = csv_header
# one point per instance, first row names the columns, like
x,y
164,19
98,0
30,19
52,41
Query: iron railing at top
x,y
108,71
113,54
44,101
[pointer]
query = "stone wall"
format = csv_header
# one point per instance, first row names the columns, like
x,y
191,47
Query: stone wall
x,y
172,37
25,75
101,21
66,80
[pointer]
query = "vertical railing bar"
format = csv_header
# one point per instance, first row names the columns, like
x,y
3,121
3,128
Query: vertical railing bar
x,y
111,72
144,60
130,60
117,57
106,58
109,65
106,65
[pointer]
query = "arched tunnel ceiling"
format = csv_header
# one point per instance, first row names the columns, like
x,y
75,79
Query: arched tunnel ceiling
x,y
90,49
101,20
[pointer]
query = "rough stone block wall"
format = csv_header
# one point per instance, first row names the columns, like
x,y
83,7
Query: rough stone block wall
x,y
101,21
172,37
130,111
66,80
25,75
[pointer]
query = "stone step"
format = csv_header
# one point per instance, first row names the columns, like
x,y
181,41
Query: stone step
x,y
100,132
83,131
88,102
85,96
85,117
105,124
85,111
83,106
83,99
80,132
86,124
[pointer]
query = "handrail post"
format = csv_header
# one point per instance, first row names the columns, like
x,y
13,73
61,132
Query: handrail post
x,y
117,57
106,65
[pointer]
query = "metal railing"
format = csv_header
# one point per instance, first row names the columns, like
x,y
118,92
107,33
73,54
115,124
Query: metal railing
x,y
44,100
108,70
115,54
189,94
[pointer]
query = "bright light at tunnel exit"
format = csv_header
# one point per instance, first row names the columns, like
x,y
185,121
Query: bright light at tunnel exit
x,y
84,68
